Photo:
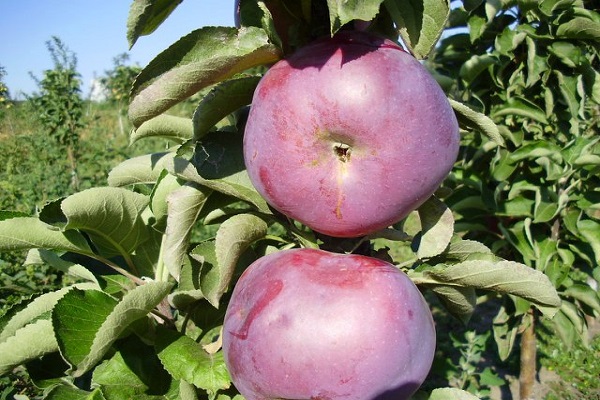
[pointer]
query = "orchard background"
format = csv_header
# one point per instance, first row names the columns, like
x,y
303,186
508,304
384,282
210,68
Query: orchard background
x,y
118,261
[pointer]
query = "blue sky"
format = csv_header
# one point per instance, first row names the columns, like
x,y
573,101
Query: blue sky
x,y
95,30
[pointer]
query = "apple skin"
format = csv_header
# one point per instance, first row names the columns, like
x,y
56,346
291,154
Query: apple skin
x,y
310,324
348,135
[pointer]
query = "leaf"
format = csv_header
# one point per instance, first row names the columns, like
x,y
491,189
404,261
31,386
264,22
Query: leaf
x,y
472,119
579,28
135,305
161,191
459,301
141,169
171,127
23,233
134,372
507,277
64,392
41,305
535,150
42,256
234,236
505,329
546,207
223,99
341,12
521,107
584,294
76,318
462,250
27,343
474,66
564,328
110,216
184,206
590,230
437,227
146,15
225,174
420,23
201,58
451,394
186,360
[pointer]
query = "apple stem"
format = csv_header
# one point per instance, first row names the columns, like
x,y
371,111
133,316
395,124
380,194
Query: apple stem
x,y
342,152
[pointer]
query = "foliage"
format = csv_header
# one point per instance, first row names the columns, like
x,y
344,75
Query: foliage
x,y
154,286
534,71
467,375
119,79
4,94
59,104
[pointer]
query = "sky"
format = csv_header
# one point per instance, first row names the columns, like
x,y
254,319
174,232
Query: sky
x,y
95,30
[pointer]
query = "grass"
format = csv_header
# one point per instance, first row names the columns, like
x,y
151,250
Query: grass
x,y
578,368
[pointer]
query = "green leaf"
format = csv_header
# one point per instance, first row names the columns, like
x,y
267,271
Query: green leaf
x,y
187,360
41,305
147,255
135,305
462,250
570,55
505,327
437,227
474,66
23,233
535,150
451,394
420,23
134,372
110,216
507,277
27,343
590,230
546,206
234,236
564,328
202,58
166,185
139,170
184,206
471,119
508,41
226,175
46,257
171,127
459,301
584,294
64,392
343,11
146,15
503,166
477,25
521,107
77,316
223,99
579,28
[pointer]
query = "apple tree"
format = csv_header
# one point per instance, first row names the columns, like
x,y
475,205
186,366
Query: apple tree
x,y
155,255
533,68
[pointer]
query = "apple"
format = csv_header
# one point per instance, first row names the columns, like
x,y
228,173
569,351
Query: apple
x,y
310,324
349,134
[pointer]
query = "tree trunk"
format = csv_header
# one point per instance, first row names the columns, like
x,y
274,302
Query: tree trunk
x,y
528,360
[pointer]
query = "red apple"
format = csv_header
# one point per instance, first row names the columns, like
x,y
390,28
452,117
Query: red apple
x,y
310,324
348,135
